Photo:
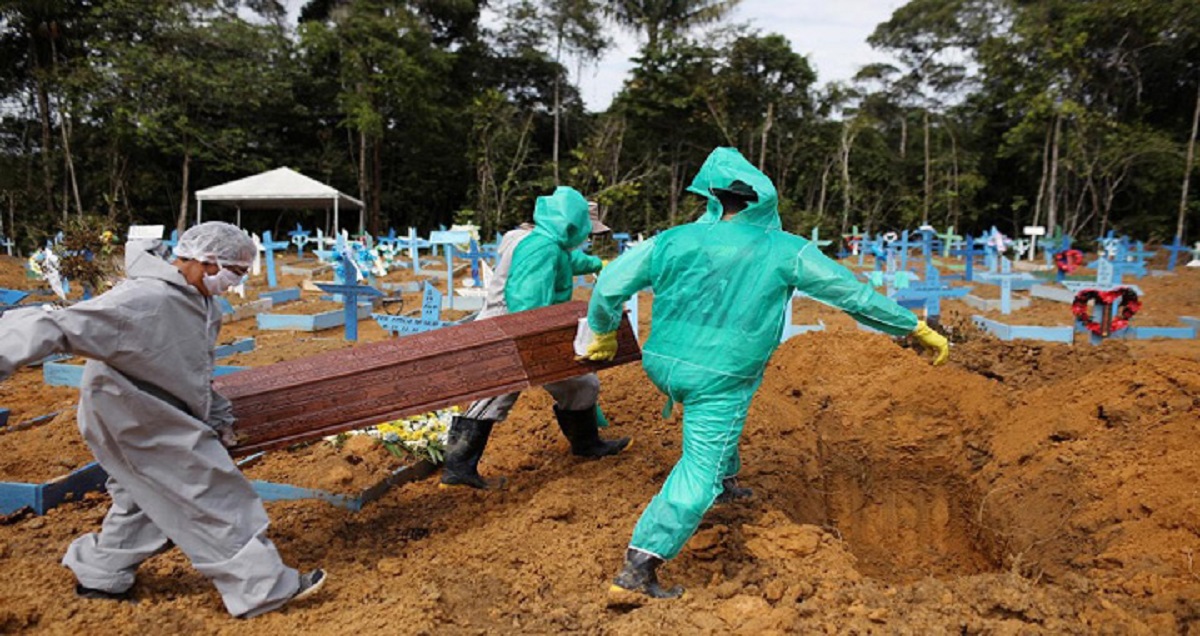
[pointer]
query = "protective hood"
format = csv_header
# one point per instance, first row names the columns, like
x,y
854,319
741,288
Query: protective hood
x,y
720,170
145,259
563,217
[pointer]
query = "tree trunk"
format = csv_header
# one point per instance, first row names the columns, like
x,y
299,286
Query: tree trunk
x,y
928,176
847,142
557,106
904,137
43,100
1187,170
1041,195
1052,187
673,205
762,155
65,129
362,176
181,222
375,212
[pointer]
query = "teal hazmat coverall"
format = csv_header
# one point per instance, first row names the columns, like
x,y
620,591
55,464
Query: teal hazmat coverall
x,y
720,291
537,268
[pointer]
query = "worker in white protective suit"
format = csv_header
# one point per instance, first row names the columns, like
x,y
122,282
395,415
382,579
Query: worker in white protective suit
x,y
149,414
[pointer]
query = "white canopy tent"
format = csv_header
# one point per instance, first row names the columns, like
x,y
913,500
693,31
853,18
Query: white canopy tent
x,y
279,188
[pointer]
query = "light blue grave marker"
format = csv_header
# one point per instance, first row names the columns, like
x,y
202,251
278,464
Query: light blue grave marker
x,y
622,239
968,252
269,248
448,240
299,237
7,243
475,254
1175,248
349,294
431,311
816,237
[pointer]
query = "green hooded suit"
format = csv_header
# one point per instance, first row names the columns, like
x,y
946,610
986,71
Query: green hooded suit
x,y
720,291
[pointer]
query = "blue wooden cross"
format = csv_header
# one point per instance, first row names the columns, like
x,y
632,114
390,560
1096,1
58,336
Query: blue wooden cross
x,y
299,238
816,237
269,248
1176,248
475,254
414,244
431,311
622,239
448,240
349,295
969,252
8,244
929,294
1006,277
173,241
390,239
903,245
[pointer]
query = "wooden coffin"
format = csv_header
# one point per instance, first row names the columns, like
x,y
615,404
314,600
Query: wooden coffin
x,y
308,398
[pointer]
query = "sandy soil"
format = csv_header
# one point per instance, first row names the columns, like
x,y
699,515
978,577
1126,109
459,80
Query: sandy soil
x,y
1023,488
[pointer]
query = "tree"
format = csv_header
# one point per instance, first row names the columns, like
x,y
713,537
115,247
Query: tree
x,y
659,18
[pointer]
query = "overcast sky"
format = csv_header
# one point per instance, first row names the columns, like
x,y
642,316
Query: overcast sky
x,y
832,33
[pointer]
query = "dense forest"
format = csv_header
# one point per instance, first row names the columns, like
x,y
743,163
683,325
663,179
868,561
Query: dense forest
x,y
1079,114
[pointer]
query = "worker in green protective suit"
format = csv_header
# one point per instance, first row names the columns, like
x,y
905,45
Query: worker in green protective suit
x,y
720,288
536,265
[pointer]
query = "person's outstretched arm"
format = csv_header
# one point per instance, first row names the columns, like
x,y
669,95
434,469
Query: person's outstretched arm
x,y
825,280
625,276
583,263
90,328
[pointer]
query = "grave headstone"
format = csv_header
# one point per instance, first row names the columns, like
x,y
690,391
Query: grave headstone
x,y
7,243
950,241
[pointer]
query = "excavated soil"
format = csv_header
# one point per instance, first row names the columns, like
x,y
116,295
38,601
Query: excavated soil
x,y
1022,488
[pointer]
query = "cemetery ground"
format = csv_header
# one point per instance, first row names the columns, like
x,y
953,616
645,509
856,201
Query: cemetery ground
x,y
1025,487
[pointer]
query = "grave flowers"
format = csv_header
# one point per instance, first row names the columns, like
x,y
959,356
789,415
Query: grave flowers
x,y
420,436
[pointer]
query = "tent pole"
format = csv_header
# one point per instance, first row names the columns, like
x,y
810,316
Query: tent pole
x,y
336,230
239,217
199,206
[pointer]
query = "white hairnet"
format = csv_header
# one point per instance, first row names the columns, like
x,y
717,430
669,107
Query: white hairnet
x,y
216,242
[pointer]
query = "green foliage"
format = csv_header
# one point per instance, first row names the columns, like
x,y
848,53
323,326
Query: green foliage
x,y
421,110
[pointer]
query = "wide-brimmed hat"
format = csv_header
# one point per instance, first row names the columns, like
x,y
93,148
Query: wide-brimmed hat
x,y
737,190
598,226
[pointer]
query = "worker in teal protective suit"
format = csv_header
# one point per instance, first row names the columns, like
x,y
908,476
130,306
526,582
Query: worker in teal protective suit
x,y
721,285
536,267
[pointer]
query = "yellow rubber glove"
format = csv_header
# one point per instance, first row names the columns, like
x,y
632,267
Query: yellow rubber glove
x,y
932,341
604,347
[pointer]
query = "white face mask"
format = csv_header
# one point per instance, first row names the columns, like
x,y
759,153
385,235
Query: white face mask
x,y
220,282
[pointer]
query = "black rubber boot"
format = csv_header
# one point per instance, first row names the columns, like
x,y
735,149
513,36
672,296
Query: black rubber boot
x,y
639,577
582,430
101,595
732,491
464,447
